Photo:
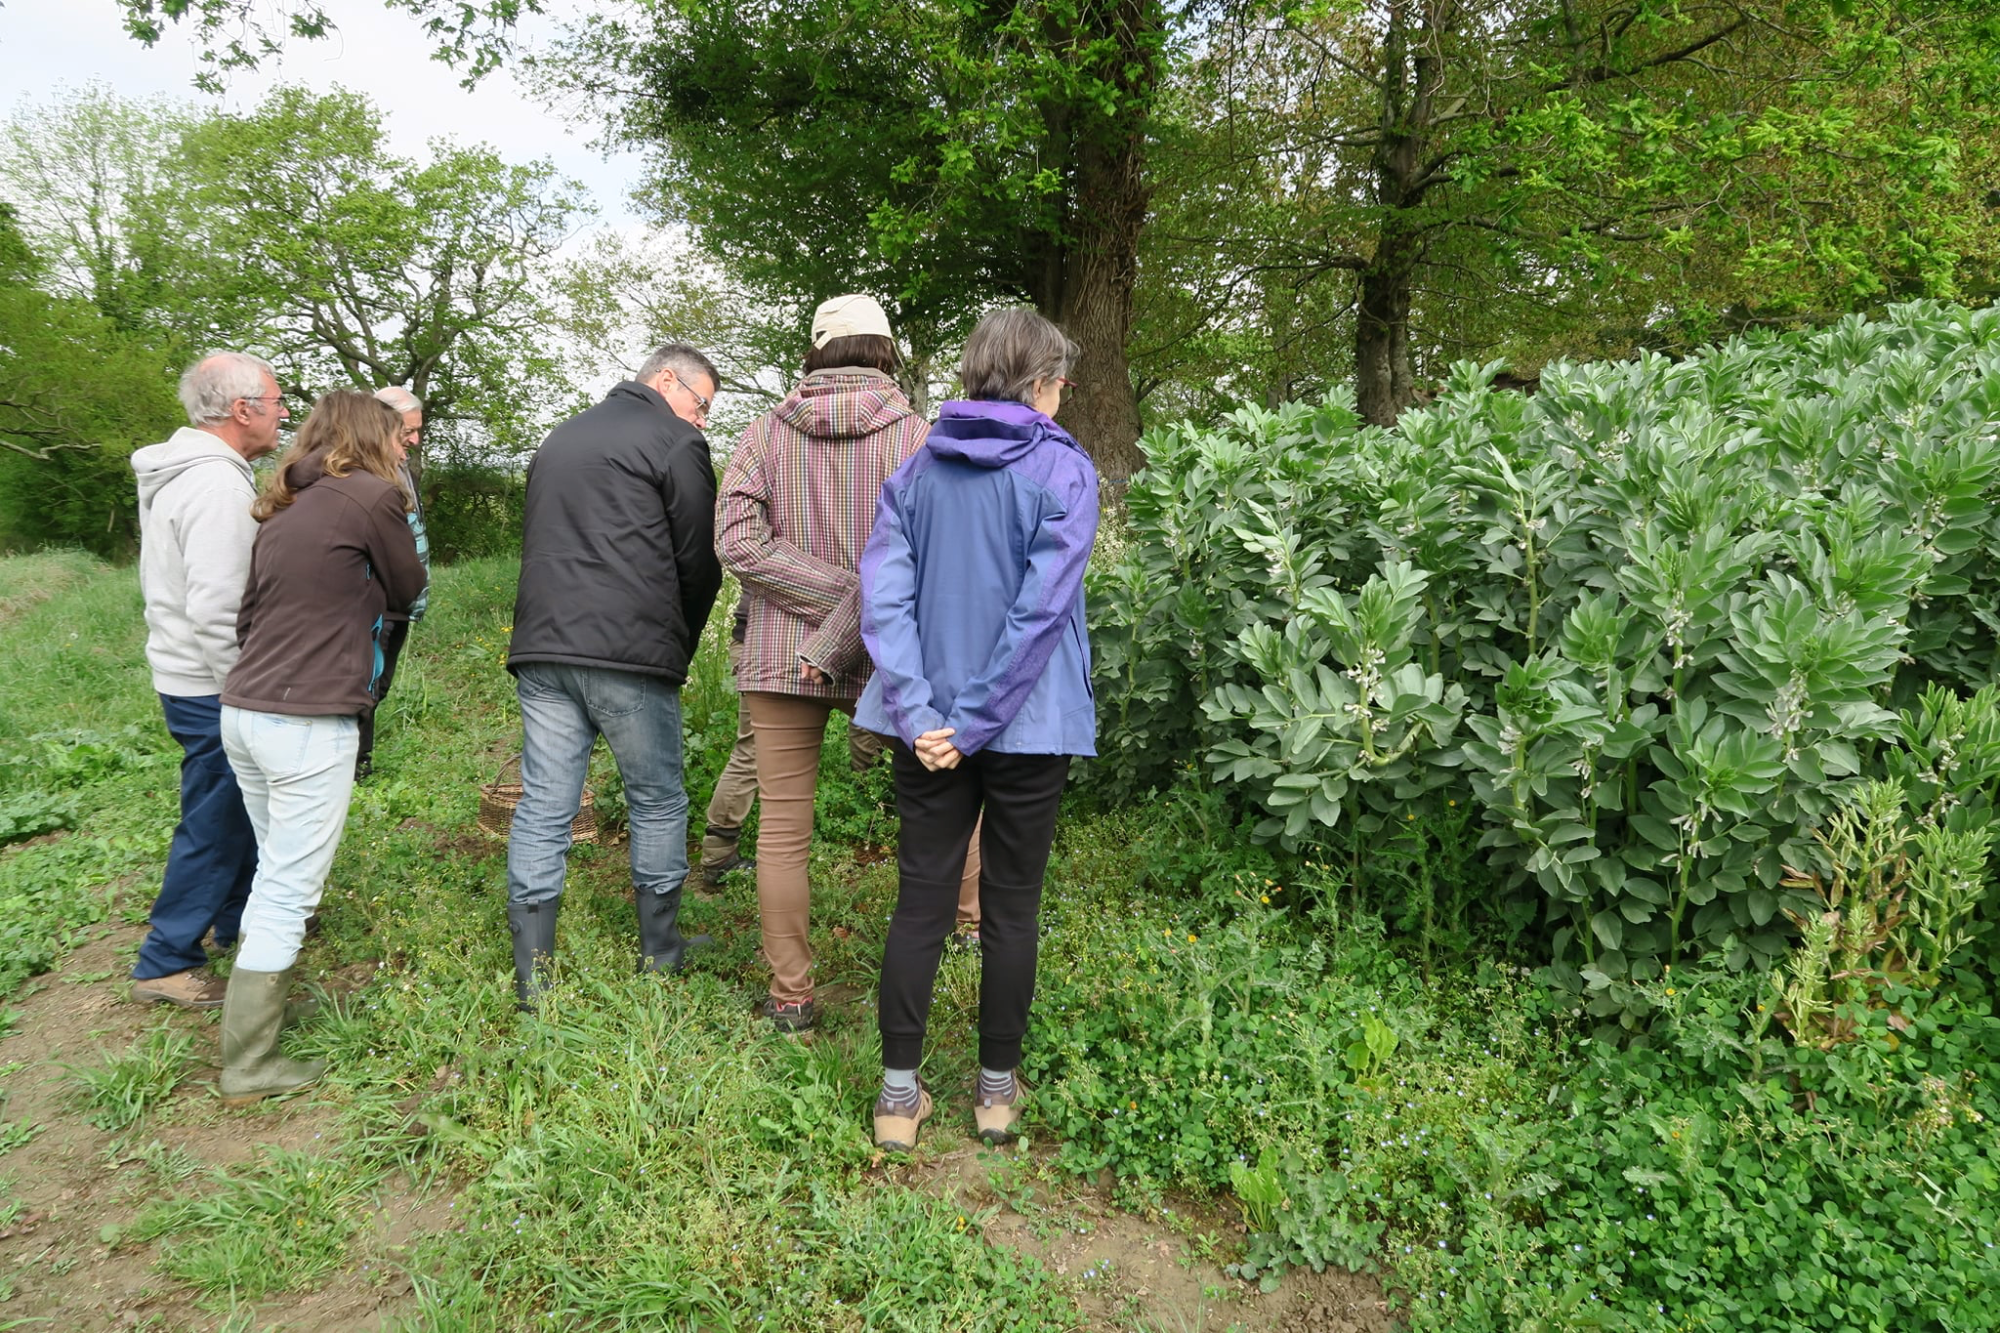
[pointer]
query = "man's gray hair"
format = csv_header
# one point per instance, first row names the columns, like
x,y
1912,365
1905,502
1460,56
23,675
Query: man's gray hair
x,y
399,398
684,359
211,386
1010,352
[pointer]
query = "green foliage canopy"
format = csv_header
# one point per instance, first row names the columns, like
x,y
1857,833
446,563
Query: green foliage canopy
x,y
77,395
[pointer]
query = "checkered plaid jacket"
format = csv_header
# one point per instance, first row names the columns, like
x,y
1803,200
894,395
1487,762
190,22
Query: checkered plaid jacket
x,y
796,504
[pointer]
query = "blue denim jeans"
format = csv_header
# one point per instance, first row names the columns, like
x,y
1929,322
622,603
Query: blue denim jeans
x,y
564,709
297,774
214,852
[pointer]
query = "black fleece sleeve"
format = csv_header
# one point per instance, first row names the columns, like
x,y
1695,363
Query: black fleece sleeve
x,y
688,490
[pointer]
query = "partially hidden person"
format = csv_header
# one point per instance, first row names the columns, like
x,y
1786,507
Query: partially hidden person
x,y
333,560
618,575
735,796
798,498
396,629
195,534
972,610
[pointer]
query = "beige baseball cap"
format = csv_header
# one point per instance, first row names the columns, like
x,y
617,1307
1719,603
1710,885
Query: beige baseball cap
x,y
848,317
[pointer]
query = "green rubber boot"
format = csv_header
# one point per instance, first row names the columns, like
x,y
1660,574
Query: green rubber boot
x,y
253,1012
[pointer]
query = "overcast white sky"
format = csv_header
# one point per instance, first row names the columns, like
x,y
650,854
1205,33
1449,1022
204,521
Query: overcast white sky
x,y
46,45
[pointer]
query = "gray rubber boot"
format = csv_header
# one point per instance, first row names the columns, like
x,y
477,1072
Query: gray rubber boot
x,y
662,947
253,1012
534,929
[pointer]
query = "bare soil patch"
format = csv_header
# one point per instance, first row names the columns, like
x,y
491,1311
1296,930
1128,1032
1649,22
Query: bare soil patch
x,y
77,1185
1151,1273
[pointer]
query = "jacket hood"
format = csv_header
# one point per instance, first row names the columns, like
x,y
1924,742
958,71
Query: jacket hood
x,y
305,471
843,403
991,433
186,449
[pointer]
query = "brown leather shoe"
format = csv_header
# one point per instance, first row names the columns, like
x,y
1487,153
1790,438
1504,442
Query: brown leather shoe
x,y
192,989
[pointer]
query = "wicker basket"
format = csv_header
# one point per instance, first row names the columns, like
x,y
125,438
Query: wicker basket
x,y
498,798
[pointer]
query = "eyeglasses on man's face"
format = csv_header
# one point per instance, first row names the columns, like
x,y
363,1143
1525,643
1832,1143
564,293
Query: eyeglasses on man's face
x,y
701,404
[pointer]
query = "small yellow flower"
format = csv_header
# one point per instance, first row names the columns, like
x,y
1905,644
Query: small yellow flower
x,y
1264,897
1132,1106
1192,938
1670,990
1453,804
1410,816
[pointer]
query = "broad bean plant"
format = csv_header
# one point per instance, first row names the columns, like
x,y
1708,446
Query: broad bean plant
x,y
1653,620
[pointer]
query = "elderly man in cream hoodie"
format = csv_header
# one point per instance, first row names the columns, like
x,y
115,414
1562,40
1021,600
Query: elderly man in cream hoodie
x,y
195,533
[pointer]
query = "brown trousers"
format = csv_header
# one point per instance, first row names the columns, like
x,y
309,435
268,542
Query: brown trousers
x,y
789,733
735,790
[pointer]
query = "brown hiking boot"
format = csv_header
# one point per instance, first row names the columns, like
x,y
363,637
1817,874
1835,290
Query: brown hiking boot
x,y
998,1118
896,1125
192,989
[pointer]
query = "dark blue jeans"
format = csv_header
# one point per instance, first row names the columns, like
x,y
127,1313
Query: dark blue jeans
x,y
213,856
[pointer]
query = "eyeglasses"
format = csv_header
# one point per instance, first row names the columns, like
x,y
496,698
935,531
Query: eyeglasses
x,y
701,404
1066,384
262,398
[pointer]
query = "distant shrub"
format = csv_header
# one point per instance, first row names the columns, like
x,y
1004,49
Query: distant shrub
x,y
472,511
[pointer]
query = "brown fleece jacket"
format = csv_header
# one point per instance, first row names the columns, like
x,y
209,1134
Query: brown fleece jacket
x,y
323,573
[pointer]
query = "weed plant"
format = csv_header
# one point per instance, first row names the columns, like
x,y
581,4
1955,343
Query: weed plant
x,y
124,1088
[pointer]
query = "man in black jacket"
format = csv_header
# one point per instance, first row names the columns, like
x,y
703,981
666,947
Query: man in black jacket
x,y
618,573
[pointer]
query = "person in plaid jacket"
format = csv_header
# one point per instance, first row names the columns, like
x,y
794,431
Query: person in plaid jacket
x,y
797,499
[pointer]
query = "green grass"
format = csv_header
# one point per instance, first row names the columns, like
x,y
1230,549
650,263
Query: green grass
x,y
281,1224
32,579
645,1154
1212,1020
120,1091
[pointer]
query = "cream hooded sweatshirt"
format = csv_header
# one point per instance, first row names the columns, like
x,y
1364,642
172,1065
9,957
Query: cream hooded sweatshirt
x,y
195,534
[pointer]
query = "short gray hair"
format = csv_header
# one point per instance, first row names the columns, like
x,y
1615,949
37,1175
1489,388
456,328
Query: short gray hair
x,y
684,359
400,399
1010,352
211,386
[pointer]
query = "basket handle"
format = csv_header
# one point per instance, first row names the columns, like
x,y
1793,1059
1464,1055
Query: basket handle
x,y
513,762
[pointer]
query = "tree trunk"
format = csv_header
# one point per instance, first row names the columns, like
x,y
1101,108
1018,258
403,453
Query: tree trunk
x,y
1083,279
1096,310
1411,73
1383,384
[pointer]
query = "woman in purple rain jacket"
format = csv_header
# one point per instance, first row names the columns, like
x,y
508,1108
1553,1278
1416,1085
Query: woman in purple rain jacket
x,y
972,609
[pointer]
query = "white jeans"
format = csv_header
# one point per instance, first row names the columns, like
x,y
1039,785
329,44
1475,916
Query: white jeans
x,y
296,774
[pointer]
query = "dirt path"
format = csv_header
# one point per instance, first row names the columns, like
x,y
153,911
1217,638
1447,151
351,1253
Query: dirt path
x,y
1136,1273
68,1194
74,1187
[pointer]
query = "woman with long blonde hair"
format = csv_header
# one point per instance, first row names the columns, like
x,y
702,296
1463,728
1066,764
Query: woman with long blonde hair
x,y
333,557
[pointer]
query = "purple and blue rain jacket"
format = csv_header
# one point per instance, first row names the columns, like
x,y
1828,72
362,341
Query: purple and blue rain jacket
x,y
972,587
